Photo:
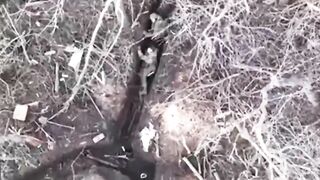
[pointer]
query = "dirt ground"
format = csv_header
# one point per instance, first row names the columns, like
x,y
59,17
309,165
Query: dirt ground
x,y
235,96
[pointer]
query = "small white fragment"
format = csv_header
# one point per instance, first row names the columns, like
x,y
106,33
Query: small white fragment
x,y
20,112
103,78
143,176
269,2
76,59
56,83
65,75
283,2
123,149
34,104
98,138
82,143
51,145
70,49
38,24
34,62
45,110
43,120
147,134
49,53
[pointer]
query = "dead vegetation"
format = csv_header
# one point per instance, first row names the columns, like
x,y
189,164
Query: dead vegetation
x,y
38,41
255,66
237,87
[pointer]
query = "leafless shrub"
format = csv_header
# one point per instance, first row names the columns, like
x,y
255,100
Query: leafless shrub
x,y
262,61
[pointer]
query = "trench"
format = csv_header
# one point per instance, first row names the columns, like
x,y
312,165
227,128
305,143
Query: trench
x,y
135,165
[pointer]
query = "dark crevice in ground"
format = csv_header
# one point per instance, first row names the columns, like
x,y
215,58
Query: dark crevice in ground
x,y
135,165
133,104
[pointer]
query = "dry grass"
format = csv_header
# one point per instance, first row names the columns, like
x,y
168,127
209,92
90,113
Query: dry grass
x,y
257,66
253,80
34,62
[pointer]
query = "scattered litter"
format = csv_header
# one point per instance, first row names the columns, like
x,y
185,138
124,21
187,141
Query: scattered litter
x,y
98,138
147,134
76,59
20,112
49,53
43,120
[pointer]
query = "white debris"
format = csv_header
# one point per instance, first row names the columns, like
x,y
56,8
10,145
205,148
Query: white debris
x,y
98,138
65,75
43,120
147,134
34,104
34,62
76,59
51,145
45,110
20,112
49,53
70,49
123,149
83,143
38,24
269,2
62,79
143,176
